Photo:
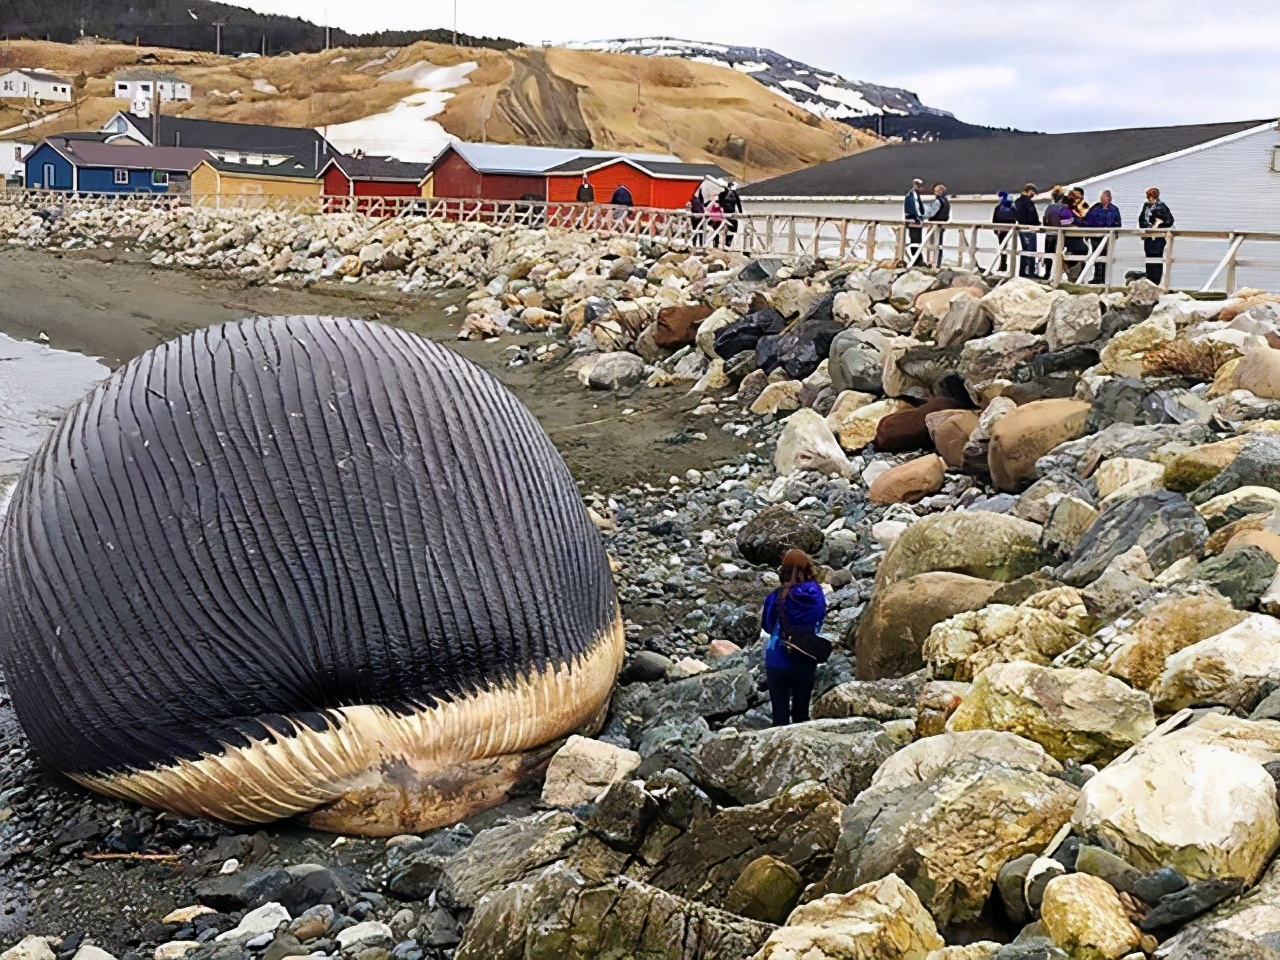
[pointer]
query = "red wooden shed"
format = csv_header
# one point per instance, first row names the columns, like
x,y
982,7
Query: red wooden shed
x,y
370,177
665,184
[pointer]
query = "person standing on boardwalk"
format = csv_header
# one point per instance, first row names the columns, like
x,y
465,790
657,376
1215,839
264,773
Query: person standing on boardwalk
x,y
1028,216
1103,215
731,205
796,606
1155,216
621,202
698,217
913,214
1002,214
941,214
1056,214
586,192
715,217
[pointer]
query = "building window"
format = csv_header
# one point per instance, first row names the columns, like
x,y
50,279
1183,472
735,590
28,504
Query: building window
x,y
17,153
121,177
159,178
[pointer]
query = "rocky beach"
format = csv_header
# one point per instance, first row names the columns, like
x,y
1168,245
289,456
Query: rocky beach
x,y
1048,527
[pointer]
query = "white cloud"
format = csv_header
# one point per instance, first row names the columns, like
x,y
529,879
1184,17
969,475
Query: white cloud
x,y
1034,64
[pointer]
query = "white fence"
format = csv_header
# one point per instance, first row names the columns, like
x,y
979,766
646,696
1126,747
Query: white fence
x,y
1205,261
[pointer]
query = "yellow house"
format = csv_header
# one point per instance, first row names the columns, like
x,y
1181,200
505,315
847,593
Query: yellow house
x,y
245,186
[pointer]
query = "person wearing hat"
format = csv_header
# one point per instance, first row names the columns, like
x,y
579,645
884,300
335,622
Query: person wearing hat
x,y
1003,213
1025,210
1155,216
913,213
731,205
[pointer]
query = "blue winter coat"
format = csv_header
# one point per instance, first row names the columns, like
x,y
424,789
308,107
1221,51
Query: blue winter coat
x,y
1098,216
806,609
913,207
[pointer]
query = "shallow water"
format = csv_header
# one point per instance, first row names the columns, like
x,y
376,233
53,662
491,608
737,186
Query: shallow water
x,y
37,383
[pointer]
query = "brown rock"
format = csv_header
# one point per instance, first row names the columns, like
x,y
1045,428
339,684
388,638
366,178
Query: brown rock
x,y
909,482
1265,539
1170,626
899,618
937,702
1085,917
900,432
950,431
677,326
1258,372
1025,435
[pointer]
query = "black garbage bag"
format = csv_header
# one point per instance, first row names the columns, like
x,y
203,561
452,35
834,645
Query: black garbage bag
x,y
745,333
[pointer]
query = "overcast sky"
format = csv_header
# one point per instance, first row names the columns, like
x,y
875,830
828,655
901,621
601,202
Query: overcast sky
x,y
1035,64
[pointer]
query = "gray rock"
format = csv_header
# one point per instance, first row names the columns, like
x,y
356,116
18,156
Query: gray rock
x,y
855,364
965,320
1164,524
755,766
1152,887
1010,882
1176,406
1175,909
1242,575
772,532
1074,320
1257,465
1039,876
1123,440
1105,865
998,355
1215,944
645,666
1119,400
613,371
890,699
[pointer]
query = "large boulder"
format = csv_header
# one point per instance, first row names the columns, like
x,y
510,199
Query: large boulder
x,y
583,769
1243,929
613,371
908,429
704,862
883,920
893,628
775,530
893,698
1171,625
767,890
1025,435
725,337
1258,372
948,835
1085,917
967,644
752,766
1073,321
999,355
909,482
963,321
560,914
678,326
1124,353
1077,715
807,443
1021,304
1164,524
1198,800
1256,465
930,757
855,363
1250,650
804,345
989,546
950,430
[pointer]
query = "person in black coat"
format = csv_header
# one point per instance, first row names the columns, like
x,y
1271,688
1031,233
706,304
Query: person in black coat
x,y
1025,210
586,192
1155,215
941,214
731,204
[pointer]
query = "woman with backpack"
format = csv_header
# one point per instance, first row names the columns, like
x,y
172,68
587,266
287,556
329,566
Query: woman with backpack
x,y
1004,213
792,617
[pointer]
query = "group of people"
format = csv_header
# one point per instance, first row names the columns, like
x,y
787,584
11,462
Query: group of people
x,y
715,223
1067,208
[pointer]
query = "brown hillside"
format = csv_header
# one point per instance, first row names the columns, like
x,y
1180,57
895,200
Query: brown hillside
x,y
551,97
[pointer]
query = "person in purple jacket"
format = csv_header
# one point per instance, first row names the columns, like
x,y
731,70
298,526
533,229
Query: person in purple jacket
x,y
799,604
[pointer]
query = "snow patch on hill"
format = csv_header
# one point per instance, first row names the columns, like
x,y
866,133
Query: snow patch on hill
x,y
406,131
818,91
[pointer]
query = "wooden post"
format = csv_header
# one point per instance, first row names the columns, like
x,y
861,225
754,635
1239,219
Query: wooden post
x,y
1166,282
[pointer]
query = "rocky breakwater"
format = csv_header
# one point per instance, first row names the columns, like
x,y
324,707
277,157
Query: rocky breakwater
x,y
1048,527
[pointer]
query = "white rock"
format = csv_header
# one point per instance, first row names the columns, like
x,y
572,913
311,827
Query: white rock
x,y
807,443
1021,304
583,769
265,919
174,949
29,948
1250,649
887,532
230,866
369,933
90,952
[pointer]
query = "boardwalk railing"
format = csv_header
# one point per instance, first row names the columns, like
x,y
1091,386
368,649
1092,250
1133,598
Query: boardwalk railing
x,y
1199,260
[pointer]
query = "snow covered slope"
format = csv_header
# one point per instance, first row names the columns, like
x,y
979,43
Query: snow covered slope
x,y
818,91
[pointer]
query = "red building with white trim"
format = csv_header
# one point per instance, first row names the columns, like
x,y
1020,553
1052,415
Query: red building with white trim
x,y
370,177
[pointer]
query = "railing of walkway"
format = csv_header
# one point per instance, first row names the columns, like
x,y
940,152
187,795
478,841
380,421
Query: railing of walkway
x,y
1201,260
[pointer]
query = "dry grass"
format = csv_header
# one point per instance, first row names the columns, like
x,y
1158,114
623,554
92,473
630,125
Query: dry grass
x,y
1196,361
550,97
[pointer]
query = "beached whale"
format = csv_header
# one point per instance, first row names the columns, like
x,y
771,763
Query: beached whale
x,y
303,565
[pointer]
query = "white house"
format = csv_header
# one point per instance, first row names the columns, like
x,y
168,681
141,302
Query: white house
x,y
38,85
12,153
141,85
1214,177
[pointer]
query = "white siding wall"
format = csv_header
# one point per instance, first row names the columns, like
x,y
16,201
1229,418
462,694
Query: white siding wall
x,y
10,164
1229,185
18,86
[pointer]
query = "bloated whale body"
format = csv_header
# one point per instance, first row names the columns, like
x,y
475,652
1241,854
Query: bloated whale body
x,y
303,565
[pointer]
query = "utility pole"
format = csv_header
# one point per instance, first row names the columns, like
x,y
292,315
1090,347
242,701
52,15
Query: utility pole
x,y
155,111
218,25
327,34
455,22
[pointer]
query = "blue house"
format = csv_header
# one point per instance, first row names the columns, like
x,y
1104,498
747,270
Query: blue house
x,y
68,165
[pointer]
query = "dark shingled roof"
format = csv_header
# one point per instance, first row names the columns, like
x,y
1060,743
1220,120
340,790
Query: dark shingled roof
x,y
87,153
244,137
659,168
987,166
298,168
380,168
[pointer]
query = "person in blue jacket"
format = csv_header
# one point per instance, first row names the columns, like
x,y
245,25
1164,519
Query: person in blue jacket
x,y
1106,216
799,604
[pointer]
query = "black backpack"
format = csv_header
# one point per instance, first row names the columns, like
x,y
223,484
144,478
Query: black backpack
x,y
806,642
1005,213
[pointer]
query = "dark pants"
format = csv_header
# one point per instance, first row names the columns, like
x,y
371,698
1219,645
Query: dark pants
x,y
789,693
1002,266
914,235
1077,247
1100,267
730,231
1026,264
937,248
1153,247
1050,251
699,228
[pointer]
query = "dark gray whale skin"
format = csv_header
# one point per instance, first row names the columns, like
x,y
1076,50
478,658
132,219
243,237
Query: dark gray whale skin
x,y
258,523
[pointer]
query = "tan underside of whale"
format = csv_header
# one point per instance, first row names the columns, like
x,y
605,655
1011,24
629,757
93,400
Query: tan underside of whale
x,y
378,773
